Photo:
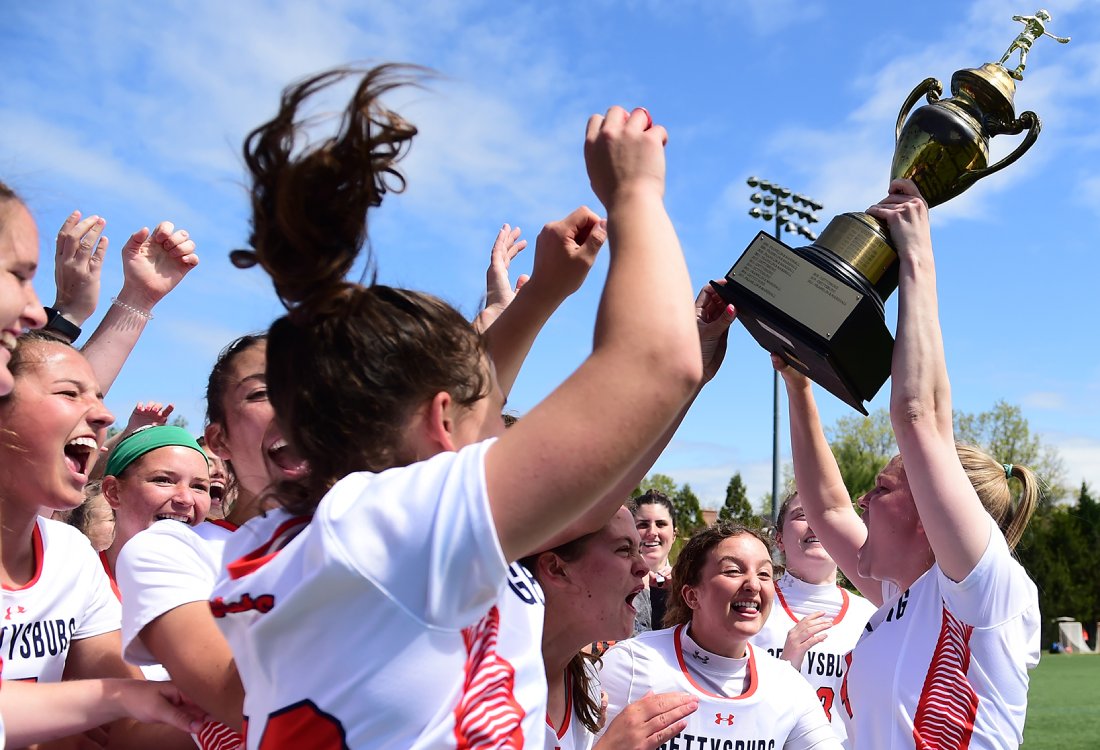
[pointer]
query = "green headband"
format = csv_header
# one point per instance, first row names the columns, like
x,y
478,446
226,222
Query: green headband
x,y
148,439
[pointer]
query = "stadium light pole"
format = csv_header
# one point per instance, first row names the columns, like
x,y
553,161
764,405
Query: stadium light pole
x,y
794,213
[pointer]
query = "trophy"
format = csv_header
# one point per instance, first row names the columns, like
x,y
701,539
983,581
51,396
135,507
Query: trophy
x,y
820,307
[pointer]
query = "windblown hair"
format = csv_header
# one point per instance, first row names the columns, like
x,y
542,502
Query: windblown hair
x,y
348,365
578,670
991,480
652,497
689,565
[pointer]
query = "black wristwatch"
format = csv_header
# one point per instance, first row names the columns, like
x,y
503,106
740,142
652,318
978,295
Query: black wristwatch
x,y
55,321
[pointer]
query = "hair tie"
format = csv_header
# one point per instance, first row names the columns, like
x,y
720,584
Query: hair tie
x,y
1008,470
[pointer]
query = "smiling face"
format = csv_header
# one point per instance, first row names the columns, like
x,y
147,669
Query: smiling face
x,y
654,524
249,436
171,482
806,558
733,597
55,423
19,305
896,546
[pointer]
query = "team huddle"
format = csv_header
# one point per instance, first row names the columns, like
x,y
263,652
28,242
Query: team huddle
x,y
362,551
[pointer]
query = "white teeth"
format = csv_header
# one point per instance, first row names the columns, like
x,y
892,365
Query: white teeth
x,y
277,445
7,340
83,442
746,604
173,517
651,544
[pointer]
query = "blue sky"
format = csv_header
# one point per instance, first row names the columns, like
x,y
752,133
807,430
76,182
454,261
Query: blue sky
x,y
136,111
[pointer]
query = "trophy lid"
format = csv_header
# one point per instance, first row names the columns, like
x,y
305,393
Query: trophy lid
x,y
990,87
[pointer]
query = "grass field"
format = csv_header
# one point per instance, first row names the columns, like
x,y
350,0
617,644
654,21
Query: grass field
x,y
1063,711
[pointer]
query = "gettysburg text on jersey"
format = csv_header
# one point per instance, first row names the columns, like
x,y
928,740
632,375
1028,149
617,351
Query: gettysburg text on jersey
x,y
36,639
699,742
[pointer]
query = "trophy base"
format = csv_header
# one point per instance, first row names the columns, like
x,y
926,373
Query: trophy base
x,y
799,305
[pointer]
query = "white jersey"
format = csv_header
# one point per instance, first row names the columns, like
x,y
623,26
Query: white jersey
x,y
381,621
163,567
944,664
68,599
823,665
756,702
573,735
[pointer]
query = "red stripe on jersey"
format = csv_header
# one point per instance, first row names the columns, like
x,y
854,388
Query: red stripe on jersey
x,y
948,703
836,620
487,715
217,736
39,557
753,682
568,709
256,559
110,573
227,525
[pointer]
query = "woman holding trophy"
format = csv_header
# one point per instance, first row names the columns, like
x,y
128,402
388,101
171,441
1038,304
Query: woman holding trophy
x,y
944,660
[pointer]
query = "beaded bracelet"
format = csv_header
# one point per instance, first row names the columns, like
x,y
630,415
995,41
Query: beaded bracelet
x,y
131,309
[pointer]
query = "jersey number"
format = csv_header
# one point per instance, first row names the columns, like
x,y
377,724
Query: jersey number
x,y
303,725
825,695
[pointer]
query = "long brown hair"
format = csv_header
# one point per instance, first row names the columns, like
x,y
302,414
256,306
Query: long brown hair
x,y
689,565
349,363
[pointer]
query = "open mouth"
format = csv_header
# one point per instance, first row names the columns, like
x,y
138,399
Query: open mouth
x,y
79,454
631,596
289,463
746,607
811,539
8,340
173,517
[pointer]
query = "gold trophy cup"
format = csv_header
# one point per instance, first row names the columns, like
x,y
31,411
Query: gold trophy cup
x,y
821,307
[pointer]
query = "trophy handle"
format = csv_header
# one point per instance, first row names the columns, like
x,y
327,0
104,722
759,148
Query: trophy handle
x,y
930,87
1028,120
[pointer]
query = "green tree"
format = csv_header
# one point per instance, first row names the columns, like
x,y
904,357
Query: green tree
x,y
737,506
1004,433
862,447
688,511
689,515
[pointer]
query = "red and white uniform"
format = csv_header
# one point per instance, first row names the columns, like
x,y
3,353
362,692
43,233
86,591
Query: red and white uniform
x,y
772,707
168,565
68,599
573,735
944,664
823,665
386,620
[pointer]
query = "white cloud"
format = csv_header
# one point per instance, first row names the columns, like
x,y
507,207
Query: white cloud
x,y
1050,400
1081,455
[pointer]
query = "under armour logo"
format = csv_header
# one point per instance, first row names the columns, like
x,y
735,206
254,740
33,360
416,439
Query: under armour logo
x,y
18,610
728,718
701,657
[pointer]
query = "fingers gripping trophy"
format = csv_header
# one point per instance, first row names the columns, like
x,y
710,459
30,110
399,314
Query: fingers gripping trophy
x,y
821,307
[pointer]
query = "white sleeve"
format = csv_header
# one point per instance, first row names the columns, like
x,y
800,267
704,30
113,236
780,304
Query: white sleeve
x,y
616,676
102,613
996,590
161,568
423,534
812,731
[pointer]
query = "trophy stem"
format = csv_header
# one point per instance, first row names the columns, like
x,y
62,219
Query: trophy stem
x,y
867,260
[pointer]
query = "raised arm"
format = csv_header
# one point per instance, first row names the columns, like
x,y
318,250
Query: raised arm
x,y
825,499
564,253
153,263
956,524
713,319
78,264
498,287
571,449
